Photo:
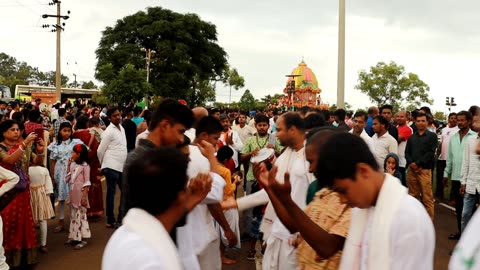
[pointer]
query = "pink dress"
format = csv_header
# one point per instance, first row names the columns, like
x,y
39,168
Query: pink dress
x,y
78,179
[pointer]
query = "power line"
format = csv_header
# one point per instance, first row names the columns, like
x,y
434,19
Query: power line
x,y
27,7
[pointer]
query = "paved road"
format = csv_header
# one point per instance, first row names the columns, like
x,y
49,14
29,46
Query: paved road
x,y
64,257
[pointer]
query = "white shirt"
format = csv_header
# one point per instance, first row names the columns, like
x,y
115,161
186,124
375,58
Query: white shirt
x,y
384,145
140,136
11,180
39,176
191,134
447,133
412,237
112,151
236,147
470,175
245,132
466,251
190,242
133,248
368,140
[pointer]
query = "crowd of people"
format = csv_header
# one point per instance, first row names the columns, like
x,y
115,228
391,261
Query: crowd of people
x,y
309,189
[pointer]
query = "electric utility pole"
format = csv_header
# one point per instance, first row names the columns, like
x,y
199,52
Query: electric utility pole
x,y
58,27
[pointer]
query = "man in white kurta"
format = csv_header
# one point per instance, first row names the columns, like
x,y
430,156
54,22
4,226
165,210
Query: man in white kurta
x,y
280,254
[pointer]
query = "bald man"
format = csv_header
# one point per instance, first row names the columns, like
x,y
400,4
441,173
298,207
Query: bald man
x,y
198,113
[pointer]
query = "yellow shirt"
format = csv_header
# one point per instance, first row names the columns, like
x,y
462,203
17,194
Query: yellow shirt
x,y
330,214
229,189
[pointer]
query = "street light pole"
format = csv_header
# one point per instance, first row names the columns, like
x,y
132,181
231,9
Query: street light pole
x,y
341,56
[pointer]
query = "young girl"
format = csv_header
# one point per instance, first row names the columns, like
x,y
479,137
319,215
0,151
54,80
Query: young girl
x,y
60,153
40,189
391,165
78,178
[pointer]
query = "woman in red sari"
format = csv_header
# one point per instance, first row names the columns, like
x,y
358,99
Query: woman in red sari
x,y
19,240
95,193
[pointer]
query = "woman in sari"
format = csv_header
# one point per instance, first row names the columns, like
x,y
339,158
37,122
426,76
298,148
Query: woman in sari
x,y
95,193
16,153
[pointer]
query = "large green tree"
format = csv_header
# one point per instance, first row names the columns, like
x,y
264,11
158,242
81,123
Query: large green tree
x,y
233,80
391,84
129,84
183,50
247,101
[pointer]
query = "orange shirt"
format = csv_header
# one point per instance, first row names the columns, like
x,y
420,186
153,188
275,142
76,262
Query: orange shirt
x,y
229,189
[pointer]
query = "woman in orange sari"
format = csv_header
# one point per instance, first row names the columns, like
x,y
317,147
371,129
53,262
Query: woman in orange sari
x,y
19,241
95,193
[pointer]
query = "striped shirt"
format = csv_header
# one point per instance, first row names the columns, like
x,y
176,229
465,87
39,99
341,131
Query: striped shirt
x,y
470,175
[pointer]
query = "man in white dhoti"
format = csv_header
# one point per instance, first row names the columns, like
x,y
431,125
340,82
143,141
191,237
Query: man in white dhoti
x,y
198,241
143,242
280,253
389,229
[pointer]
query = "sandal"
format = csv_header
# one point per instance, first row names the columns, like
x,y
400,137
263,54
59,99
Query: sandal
x,y
80,245
69,242
43,249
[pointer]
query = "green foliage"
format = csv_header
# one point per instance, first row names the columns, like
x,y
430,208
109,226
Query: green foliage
x,y
186,54
391,84
247,101
129,84
89,85
13,72
100,99
439,116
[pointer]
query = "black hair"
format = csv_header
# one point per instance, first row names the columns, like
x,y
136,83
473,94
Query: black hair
x,y
173,111
304,110
262,119
371,110
340,113
59,134
147,116
83,154
224,153
145,191
223,117
386,106
382,120
339,155
419,114
426,109
82,122
137,111
26,112
361,114
474,110
94,121
468,115
17,116
62,112
70,117
314,120
451,114
214,110
111,111
293,119
6,125
320,130
129,110
208,124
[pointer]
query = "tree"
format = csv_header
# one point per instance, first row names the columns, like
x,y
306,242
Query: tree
x,y
247,101
439,116
89,85
232,79
391,84
183,49
129,84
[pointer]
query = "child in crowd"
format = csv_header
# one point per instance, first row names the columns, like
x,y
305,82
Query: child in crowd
x,y
391,165
60,153
78,178
40,189
95,130
224,154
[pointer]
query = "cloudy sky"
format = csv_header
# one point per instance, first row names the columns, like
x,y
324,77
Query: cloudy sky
x,y
265,40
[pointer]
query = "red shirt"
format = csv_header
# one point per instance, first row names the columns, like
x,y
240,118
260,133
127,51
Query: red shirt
x,y
405,131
